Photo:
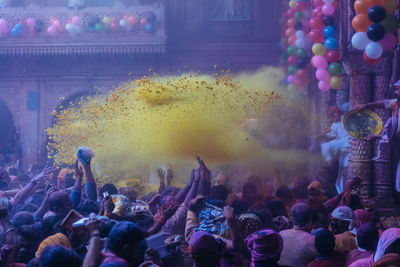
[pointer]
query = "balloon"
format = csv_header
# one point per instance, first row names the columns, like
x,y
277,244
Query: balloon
x,y
292,40
370,60
376,13
319,62
335,69
15,32
390,23
335,82
76,20
292,60
114,26
332,56
329,20
151,17
390,6
301,53
143,21
132,20
299,6
292,69
31,22
361,7
361,22
298,15
374,50
303,62
98,27
51,30
331,43
291,22
323,86
18,27
360,40
300,43
300,34
322,75
388,42
39,26
298,25
376,32
56,23
316,36
69,27
302,73
328,9
293,79
60,29
319,50
329,32
123,23
315,23
106,20
291,50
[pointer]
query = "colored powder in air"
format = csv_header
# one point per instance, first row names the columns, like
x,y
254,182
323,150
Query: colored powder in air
x,y
167,119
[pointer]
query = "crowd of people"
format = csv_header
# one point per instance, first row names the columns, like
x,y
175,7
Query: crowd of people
x,y
53,219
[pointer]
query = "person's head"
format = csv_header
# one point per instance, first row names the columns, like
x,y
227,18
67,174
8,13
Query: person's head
x,y
27,240
299,187
109,188
22,218
249,223
204,249
87,206
325,242
60,203
59,256
367,236
316,194
5,208
265,246
249,192
284,194
301,214
387,238
335,113
124,241
343,219
219,192
277,208
58,239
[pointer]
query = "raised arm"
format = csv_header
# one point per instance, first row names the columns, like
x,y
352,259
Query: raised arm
x,y
77,189
90,184
183,193
44,207
28,189
93,256
161,175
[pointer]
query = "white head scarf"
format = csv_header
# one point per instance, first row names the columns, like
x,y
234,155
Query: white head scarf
x,y
387,238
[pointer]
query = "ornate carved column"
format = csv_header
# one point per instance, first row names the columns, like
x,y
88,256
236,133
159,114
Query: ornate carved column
x,y
383,173
360,150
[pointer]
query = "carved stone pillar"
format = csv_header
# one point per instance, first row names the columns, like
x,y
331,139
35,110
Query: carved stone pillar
x,y
360,150
383,173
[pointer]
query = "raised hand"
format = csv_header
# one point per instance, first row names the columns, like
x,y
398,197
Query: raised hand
x,y
78,169
43,176
195,203
93,226
229,213
161,174
170,175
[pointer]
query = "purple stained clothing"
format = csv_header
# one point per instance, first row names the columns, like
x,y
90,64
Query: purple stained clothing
x,y
109,257
356,255
176,224
91,191
265,246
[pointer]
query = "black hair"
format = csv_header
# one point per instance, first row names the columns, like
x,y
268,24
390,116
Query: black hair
x,y
59,256
124,233
219,192
325,242
110,188
22,218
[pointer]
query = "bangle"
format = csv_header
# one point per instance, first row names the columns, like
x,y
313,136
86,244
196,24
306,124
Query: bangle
x,y
95,235
34,182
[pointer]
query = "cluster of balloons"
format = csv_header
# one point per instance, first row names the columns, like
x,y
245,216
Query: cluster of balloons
x,y
3,27
55,27
296,44
323,35
34,26
376,27
74,25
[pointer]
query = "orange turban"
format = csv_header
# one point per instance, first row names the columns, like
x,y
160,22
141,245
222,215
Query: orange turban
x,y
53,240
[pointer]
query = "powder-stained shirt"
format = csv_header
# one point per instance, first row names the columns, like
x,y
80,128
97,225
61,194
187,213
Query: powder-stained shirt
x,y
176,224
298,248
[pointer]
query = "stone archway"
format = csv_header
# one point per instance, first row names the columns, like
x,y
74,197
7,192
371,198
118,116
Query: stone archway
x,y
9,136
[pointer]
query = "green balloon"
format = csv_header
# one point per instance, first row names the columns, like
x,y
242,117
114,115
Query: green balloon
x,y
283,62
98,27
291,50
390,23
301,52
298,15
107,27
292,70
284,55
335,69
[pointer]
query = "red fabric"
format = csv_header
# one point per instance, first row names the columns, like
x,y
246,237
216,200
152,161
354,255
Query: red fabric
x,y
336,260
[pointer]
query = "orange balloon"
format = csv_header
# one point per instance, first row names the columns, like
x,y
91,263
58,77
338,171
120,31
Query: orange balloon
x,y
361,22
132,20
362,6
143,21
290,31
291,22
292,40
390,6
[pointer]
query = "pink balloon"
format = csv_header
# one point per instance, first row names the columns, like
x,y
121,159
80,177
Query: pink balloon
x,y
30,22
75,20
293,79
3,22
322,74
320,62
51,30
292,60
388,42
323,86
328,9
290,12
56,23
318,3
114,26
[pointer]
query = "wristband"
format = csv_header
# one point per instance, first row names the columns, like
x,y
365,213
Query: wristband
x,y
34,182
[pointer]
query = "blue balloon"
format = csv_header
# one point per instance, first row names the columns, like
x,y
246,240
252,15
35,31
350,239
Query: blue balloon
x,y
329,32
149,27
331,43
15,32
18,26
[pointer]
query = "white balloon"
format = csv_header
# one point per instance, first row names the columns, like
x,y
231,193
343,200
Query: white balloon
x,y
300,43
300,34
123,23
69,27
360,40
374,50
